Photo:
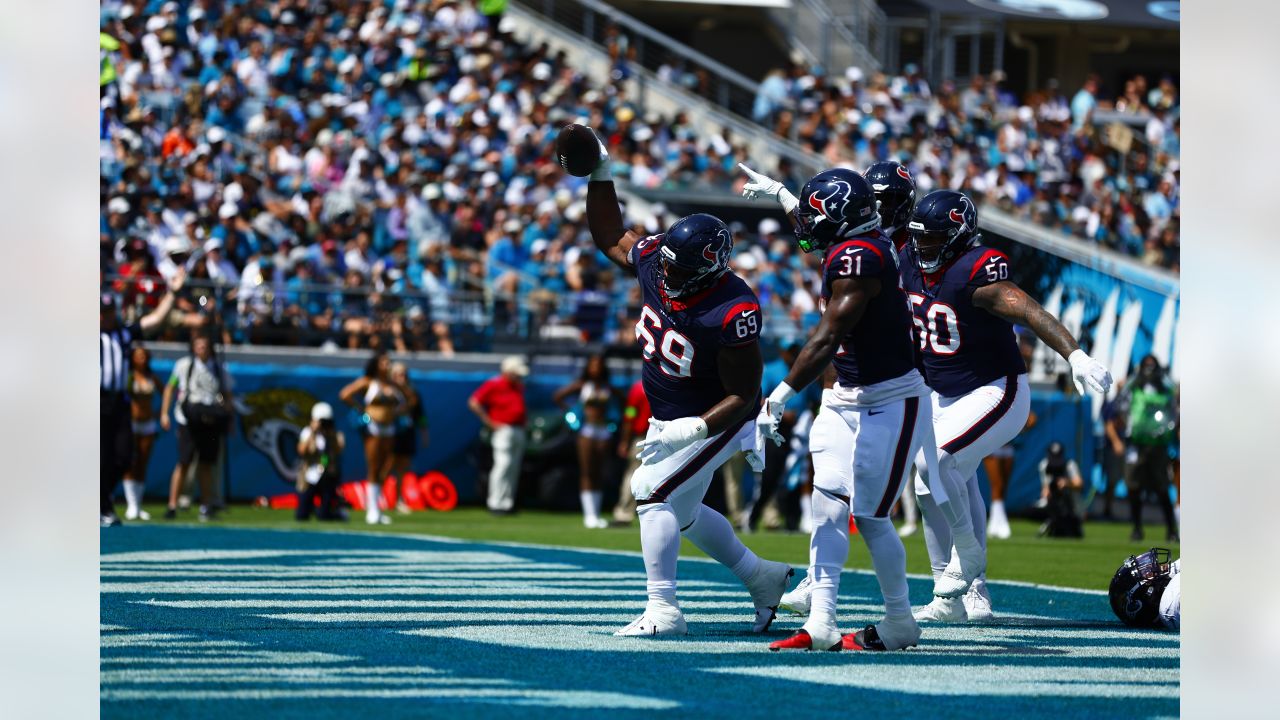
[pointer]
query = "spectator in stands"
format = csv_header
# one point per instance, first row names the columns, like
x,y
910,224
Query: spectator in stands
x,y
143,387
411,429
1115,441
635,426
1084,103
595,394
500,404
320,446
381,400
1060,488
1150,403
199,391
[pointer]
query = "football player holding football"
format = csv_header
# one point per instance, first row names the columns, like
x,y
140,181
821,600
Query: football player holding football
x,y
873,420
699,332
965,306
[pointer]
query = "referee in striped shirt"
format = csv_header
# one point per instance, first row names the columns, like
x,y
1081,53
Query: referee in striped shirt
x,y
114,345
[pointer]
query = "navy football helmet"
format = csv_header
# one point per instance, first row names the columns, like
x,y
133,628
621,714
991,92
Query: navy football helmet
x,y
695,253
943,225
895,190
834,204
1137,586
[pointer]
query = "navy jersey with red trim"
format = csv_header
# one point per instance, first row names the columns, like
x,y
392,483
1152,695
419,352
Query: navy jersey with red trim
x,y
681,339
964,346
878,348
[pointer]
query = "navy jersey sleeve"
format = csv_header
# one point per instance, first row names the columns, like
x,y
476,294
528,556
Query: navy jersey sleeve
x,y
740,322
855,258
643,250
992,266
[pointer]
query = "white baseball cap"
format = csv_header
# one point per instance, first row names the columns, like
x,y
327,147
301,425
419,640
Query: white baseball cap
x,y
322,411
514,365
177,245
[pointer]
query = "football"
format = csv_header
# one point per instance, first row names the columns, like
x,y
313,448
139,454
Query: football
x,y
577,150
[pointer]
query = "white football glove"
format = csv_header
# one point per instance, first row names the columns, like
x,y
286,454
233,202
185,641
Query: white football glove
x,y
1087,371
770,416
673,436
601,173
765,186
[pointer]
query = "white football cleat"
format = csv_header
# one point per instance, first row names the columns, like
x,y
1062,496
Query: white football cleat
x,y
968,561
595,523
139,514
907,530
942,610
797,601
767,587
657,619
977,603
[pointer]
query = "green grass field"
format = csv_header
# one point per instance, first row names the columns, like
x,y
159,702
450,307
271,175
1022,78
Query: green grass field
x,y
1087,563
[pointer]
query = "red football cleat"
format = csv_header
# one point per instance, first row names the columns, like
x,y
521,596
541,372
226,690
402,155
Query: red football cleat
x,y
800,641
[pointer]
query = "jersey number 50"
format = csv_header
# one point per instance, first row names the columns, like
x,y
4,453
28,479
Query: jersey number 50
x,y
676,350
939,320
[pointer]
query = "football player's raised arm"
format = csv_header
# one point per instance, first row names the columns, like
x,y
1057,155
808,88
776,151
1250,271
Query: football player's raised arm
x,y
741,367
1008,301
849,298
604,217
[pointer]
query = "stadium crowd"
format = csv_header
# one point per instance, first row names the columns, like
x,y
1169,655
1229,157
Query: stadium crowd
x,y
377,175
1041,157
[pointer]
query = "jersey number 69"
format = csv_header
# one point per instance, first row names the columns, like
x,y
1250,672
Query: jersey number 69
x,y
676,350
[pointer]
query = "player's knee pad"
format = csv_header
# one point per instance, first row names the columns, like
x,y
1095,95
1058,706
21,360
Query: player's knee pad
x,y
829,507
872,528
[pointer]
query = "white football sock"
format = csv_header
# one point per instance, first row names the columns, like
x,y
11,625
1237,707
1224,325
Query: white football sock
x,y
133,495
589,511
828,550
713,535
660,544
977,513
597,501
806,512
889,558
937,534
371,495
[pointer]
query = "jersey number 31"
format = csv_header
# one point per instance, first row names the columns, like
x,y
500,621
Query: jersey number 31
x,y
676,350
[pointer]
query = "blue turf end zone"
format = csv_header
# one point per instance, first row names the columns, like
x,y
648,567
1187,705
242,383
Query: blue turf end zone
x,y
219,622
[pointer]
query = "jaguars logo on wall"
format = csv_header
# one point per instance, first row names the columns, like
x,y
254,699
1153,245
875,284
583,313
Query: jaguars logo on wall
x,y
271,421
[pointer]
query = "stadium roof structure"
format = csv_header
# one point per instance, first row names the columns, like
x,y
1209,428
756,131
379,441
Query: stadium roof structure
x,y
1162,15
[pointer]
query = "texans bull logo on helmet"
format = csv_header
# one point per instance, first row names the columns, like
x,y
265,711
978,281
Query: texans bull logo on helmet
x,y
963,216
832,204
902,173
712,254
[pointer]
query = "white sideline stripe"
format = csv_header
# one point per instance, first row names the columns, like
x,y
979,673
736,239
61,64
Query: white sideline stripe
x,y
632,554
168,640
527,572
462,592
104,627
528,576
547,698
247,657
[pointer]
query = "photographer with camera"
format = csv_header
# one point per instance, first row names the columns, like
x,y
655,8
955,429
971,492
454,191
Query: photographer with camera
x,y
205,413
320,447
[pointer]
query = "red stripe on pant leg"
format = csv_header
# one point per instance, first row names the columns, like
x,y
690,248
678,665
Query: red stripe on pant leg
x,y
912,408
986,422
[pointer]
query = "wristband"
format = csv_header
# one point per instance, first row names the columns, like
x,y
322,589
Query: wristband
x,y
602,173
782,394
789,201
1077,356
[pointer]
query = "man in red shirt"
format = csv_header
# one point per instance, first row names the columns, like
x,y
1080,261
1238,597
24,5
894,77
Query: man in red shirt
x,y
499,403
635,424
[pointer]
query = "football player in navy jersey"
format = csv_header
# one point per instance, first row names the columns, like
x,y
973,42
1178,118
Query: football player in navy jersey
x,y
699,329
896,193
964,308
873,420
